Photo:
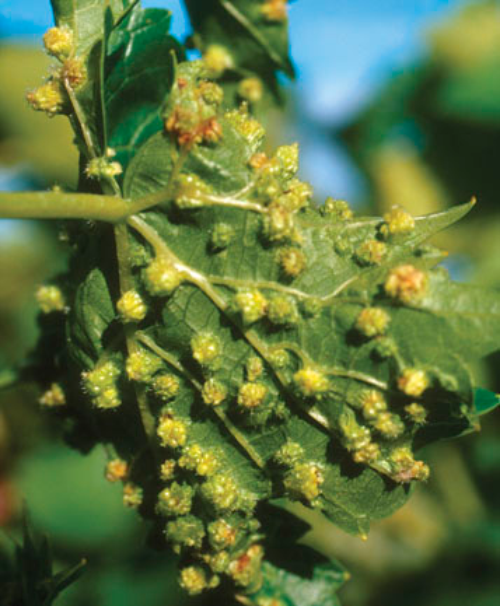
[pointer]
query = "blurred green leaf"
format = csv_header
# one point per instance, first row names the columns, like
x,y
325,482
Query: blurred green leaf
x,y
485,401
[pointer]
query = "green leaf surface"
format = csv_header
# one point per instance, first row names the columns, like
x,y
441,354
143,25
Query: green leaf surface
x,y
485,401
138,75
257,45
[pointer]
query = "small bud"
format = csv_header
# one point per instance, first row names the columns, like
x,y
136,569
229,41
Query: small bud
x,y
251,89
252,304
217,60
303,481
310,382
406,284
162,277
371,252
58,41
116,470
102,168
131,307
53,397
213,392
193,579
48,98
206,349
398,222
282,310
175,500
372,322
254,368
172,432
417,413
141,365
289,454
50,299
166,386
132,495
74,72
186,531
292,261
167,470
413,382
221,237
221,534
252,395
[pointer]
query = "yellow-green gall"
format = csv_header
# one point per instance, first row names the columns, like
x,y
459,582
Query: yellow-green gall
x,y
50,299
289,454
161,277
282,310
193,579
186,531
48,98
417,413
141,365
312,306
389,425
292,261
191,191
116,470
102,168
221,237
398,221
405,468
371,252
194,458
299,193
58,41
355,436
372,322
413,382
279,223
251,304
385,347
217,60
367,454
337,209
206,349
249,128
132,495
100,383
274,10
213,392
303,481
372,404
406,284
211,93
53,397
74,72
175,500
222,492
218,562
221,534
311,382
288,155
254,368
167,470
166,386
252,395
131,307
172,432
246,570
251,89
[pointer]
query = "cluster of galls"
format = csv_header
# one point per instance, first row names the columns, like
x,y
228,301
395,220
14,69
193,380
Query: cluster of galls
x,y
51,97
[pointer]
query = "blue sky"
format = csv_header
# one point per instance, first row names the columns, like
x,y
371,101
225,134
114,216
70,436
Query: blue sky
x,y
344,51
